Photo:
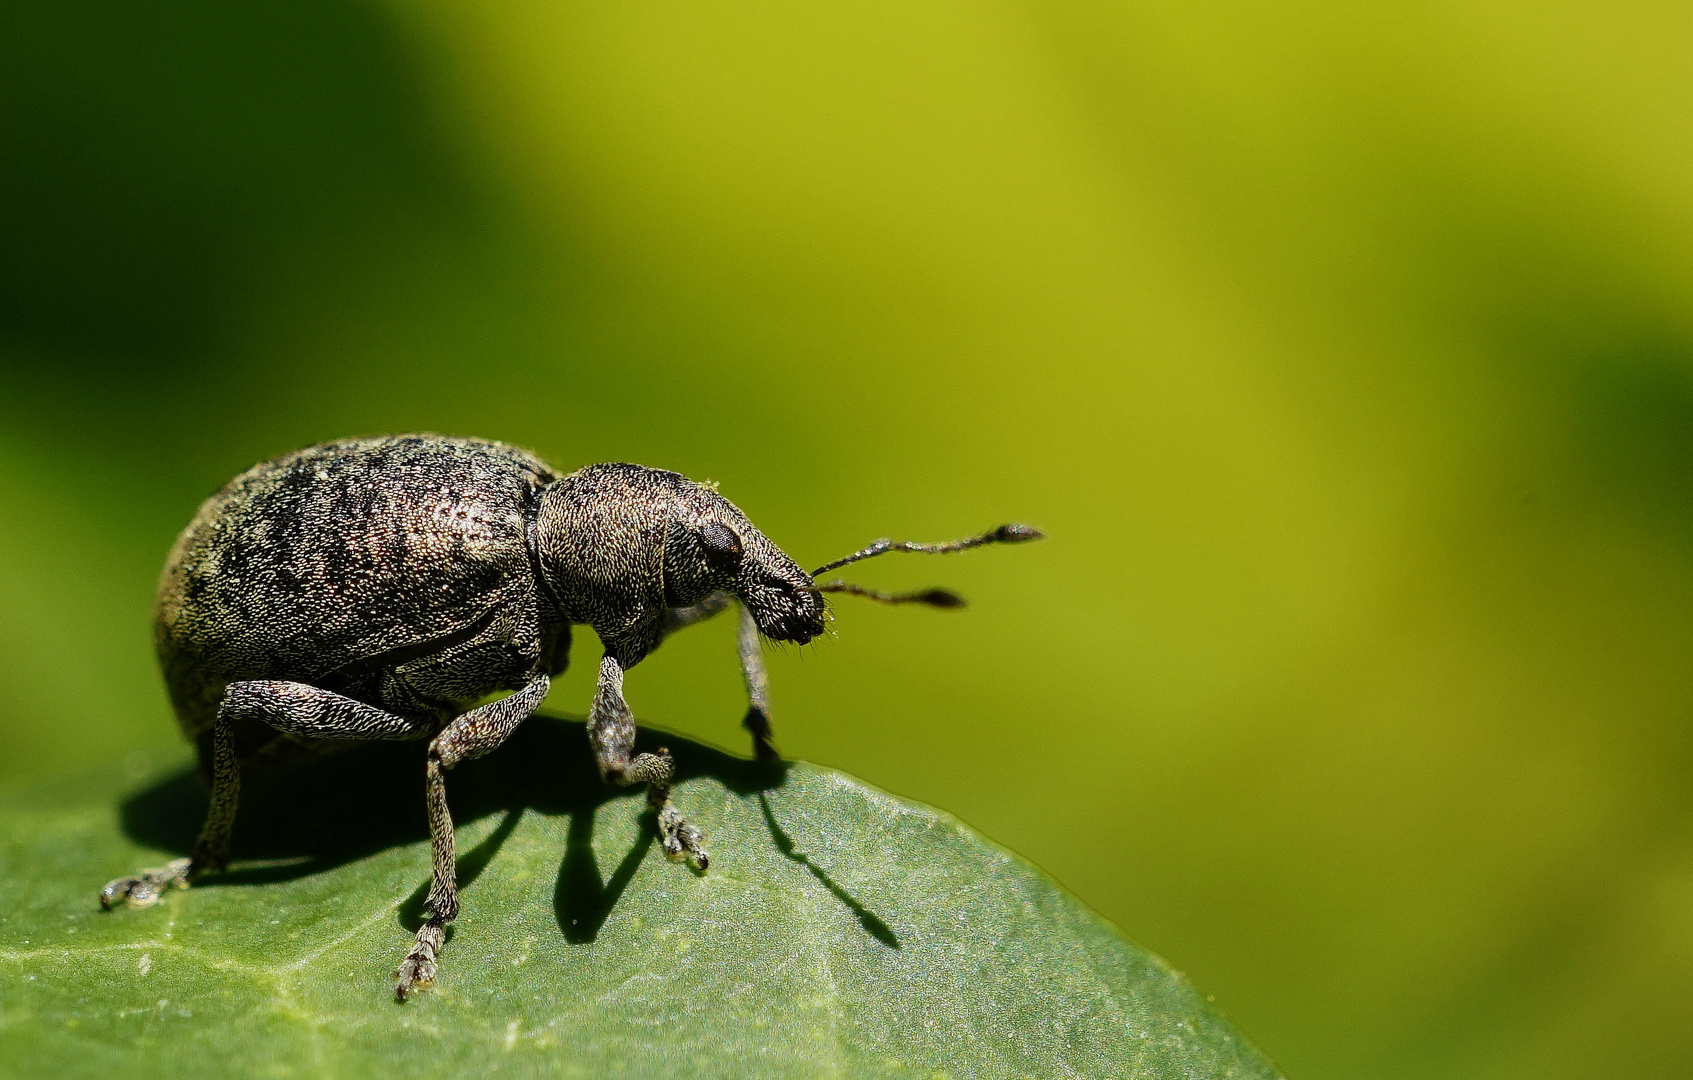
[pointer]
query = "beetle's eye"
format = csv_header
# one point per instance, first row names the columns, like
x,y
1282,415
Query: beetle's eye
x,y
722,546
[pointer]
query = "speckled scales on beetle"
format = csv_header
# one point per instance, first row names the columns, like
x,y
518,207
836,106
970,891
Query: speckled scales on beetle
x,y
305,565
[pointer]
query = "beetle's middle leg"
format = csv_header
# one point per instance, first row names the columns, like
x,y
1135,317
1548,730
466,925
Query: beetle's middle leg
x,y
611,729
751,648
468,736
290,707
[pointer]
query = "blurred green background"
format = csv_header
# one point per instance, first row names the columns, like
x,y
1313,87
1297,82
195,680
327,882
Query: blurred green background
x,y
1345,351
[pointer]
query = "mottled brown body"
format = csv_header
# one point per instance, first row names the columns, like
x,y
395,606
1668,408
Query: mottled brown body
x,y
395,571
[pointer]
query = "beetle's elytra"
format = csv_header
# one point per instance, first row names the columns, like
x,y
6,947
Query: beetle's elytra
x,y
378,588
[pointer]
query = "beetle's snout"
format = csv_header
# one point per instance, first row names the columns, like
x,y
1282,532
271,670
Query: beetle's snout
x,y
803,622
787,610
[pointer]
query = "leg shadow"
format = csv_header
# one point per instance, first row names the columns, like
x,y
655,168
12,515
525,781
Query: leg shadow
x,y
581,901
867,919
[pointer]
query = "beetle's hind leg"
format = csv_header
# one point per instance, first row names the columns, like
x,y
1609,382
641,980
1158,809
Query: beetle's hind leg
x,y
611,729
290,707
211,849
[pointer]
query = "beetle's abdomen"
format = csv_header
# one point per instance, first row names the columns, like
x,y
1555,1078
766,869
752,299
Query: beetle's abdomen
x,y
314,561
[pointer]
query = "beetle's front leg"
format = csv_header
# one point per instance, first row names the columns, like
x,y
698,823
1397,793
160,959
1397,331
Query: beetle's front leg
x,y
611,729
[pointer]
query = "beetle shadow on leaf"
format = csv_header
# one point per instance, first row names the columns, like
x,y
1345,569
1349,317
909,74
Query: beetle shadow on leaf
x,y
307,817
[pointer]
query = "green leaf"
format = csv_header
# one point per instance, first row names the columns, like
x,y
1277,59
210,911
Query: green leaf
x,y
839,932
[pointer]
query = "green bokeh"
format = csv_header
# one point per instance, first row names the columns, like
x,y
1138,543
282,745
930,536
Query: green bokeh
x,y
1346,354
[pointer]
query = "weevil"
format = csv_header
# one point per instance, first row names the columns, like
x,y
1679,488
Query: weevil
x,y
375,589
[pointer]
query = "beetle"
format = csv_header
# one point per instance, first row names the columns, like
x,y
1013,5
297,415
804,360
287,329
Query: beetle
x,y
379,588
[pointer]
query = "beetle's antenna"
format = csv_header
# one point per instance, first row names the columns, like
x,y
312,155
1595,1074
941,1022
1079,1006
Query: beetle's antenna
x,y
939,598
1005,534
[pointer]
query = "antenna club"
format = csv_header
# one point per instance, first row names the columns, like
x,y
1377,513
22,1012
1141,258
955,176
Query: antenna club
x,y
1017,534
940,598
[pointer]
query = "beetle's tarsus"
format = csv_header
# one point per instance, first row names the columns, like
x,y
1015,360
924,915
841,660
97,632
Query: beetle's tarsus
x,y
146,888
655,769
679,839
417,971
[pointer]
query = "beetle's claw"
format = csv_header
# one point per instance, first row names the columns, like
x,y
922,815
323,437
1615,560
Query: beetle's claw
x,y
417,970
416,973
146,888
680,839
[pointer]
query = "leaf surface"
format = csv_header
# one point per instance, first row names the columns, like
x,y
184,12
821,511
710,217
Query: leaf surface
x,y
840,932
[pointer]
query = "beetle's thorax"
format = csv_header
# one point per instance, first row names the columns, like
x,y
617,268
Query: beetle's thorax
x,y
617,544
599,540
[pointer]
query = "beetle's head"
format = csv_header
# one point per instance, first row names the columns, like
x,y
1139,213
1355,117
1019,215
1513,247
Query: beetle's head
x,y
710,546
620,543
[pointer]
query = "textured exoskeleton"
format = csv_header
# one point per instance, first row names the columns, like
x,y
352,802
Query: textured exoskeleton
x,y
379,588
